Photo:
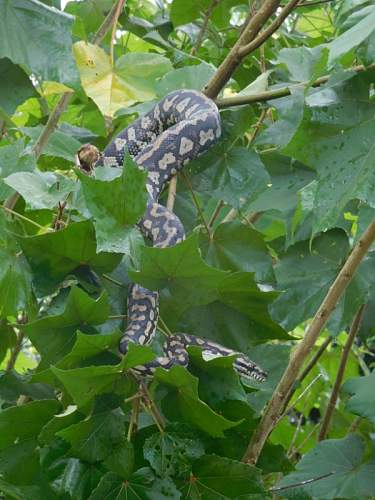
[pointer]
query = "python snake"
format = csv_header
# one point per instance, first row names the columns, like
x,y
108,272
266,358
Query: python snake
x,y
181,127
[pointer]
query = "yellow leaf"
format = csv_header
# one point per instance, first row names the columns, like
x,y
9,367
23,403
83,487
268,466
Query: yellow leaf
x,y
132,79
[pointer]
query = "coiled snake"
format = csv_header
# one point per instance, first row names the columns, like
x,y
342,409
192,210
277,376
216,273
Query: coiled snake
x,y
182,126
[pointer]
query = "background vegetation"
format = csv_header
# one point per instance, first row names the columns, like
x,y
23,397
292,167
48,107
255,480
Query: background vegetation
x,y
278,261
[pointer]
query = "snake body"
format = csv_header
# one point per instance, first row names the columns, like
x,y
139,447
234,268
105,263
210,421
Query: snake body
x,y
181,127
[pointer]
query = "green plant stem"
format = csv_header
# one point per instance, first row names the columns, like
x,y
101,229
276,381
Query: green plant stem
x,y
269,95
340,373
280,395
26,219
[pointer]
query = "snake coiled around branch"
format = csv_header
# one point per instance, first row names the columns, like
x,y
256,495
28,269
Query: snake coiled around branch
x,y
181,127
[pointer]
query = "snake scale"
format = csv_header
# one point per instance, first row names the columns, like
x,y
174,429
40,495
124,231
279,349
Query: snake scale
x,y
181,127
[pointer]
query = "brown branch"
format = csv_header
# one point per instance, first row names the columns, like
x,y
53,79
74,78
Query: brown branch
x,y
340,373
233,59
119,7
172,193
277,402
203,29
216,212
268,32
269,95
307,369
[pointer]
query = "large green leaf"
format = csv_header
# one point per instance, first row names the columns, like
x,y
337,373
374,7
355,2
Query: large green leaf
x,y
52,256
13,159
219,477
54,336
38,37
59,143
180,268
41,189
188,77
187,402
306,276
114,221
337,142
93,439
15,86
236,175
335,468
142,485
362,400
130,80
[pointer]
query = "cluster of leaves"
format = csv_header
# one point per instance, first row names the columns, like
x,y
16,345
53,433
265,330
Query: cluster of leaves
x,y
271,214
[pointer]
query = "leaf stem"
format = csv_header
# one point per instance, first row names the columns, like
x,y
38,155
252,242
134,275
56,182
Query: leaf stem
x,y
26,219
203,29
277,402
340,373
196,203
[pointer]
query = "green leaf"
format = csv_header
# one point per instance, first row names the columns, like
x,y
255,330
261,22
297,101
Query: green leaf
x,y
142,485
304,63
121,460
362,400
338,469
13,159
54,336
52,256
38,37
237,247
113,221
170,454
83,384
93,439
219,477
235,175
353,37
59,144
306,276
188,77
130,80
337,141
15,278
15,86
188,403
13,420
41,189
189,279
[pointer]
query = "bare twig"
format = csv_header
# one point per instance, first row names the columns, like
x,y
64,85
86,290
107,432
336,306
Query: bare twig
x,y
15,351
269,95
172,193
340,373
203,29
233,59
215,213
302,483
277,402
119,7
268,32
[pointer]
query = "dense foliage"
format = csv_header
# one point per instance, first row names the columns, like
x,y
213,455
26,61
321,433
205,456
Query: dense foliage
x,y
272,213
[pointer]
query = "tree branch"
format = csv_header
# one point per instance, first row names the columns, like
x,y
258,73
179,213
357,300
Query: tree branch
x,y
340,373
269,95
203,29
233,59
267,33
277,402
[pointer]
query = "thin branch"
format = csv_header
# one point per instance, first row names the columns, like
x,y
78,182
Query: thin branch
x,y
302,483
308,369
277,402
196,203
268,32
15,351
269,95
113,280
172,193
26,219
340,373
233,59
119,7
312,4
215,213
203,29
